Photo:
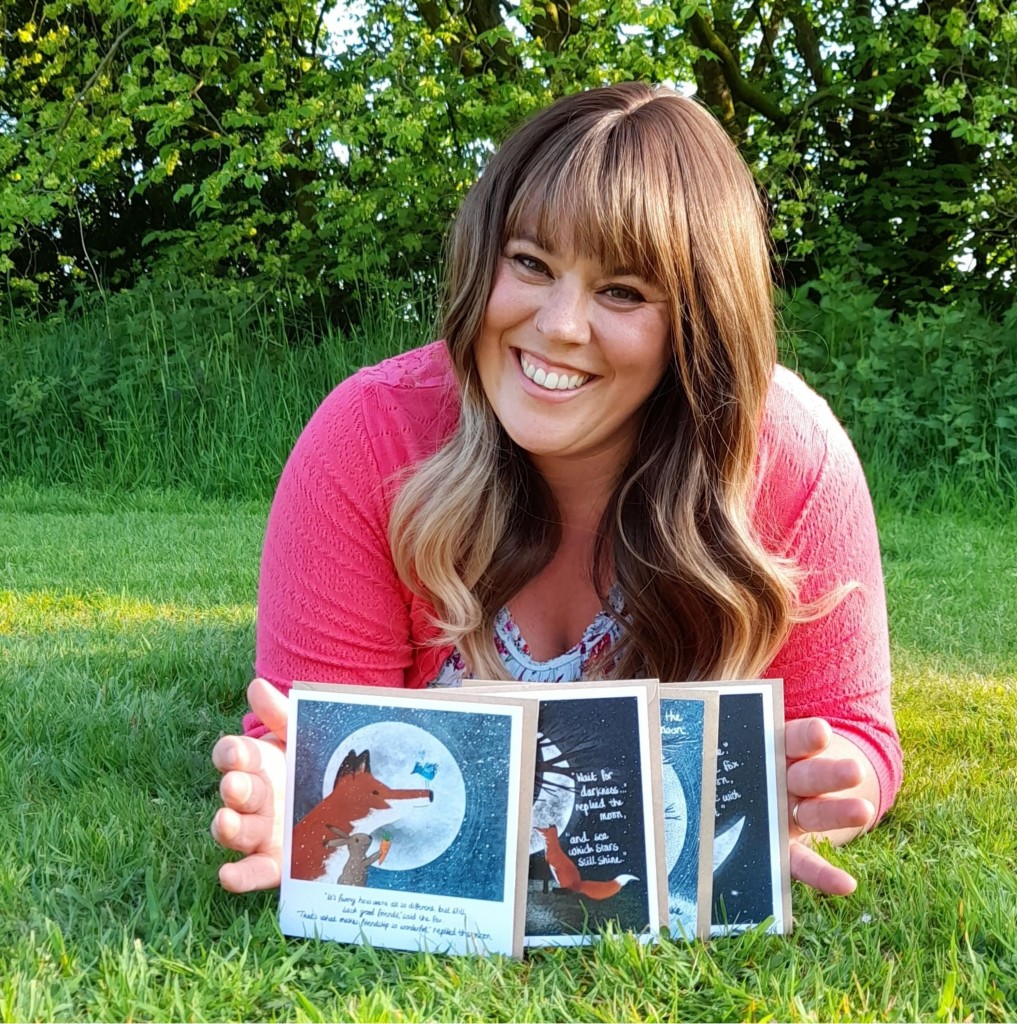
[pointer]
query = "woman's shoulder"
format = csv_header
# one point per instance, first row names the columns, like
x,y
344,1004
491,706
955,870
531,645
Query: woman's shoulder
x,y
797,417
802,446
402,409
418,369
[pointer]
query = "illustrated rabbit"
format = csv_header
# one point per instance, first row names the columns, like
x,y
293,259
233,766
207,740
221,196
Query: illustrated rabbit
x,y
357,844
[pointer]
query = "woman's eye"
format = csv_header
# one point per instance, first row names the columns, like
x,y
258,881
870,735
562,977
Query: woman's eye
x,y
622,294
530,263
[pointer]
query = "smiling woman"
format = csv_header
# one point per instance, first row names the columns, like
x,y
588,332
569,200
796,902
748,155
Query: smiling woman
x,y
599,473
569,353
618,235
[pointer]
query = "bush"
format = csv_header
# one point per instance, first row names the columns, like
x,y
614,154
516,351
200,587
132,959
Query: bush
x,y
175,384
929,397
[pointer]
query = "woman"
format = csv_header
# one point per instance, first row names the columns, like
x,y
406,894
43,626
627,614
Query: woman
x,y
603,444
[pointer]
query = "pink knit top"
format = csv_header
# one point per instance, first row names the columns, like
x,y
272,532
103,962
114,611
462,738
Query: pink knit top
x,y
331,607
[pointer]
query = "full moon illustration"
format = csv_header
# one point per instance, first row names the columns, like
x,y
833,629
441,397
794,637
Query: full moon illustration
x,y
676,816
427,830
555,801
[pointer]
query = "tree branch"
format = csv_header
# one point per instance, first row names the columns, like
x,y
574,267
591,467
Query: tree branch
x,y
317,29
428,10
103,64
807,44
765,54
554,24
706,37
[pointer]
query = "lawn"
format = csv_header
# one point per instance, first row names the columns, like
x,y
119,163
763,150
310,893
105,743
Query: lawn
x,y
126,637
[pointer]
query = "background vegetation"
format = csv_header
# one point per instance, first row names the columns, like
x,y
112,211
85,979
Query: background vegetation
x,y
261,140
211,212
173,386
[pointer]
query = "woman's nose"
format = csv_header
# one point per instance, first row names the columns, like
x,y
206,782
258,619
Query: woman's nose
x,y
562,316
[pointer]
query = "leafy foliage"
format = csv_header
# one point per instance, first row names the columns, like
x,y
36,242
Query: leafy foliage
x,y
194,133
938,385
178,386
251,141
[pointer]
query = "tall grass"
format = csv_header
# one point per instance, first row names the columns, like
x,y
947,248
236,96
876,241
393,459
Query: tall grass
x,y
175,385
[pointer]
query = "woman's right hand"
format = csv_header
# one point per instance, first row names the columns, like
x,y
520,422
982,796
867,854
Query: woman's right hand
x,y
253,791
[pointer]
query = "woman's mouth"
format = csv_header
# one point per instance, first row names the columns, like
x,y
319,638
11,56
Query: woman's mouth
x,y
552,379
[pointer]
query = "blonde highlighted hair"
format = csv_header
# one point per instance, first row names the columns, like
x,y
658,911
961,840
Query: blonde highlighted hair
x,y
644,179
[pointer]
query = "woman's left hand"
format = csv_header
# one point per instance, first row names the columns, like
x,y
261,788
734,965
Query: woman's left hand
x,y
832,792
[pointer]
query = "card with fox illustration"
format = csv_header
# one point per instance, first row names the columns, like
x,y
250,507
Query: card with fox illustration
x,y
407,818
596,846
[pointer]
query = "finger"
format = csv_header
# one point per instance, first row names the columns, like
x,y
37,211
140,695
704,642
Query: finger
x,y
244,833
259,871
244,792
237,753
806,737
270,706
814,776
812,869
832,813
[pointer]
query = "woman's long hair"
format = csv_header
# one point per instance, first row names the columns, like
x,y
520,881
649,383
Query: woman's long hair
x,y
639,177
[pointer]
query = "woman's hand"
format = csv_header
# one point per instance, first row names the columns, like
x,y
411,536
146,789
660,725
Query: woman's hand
x,y
253,791
832,793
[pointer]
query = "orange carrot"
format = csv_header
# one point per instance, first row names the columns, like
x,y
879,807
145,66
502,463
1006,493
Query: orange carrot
x,y
386,843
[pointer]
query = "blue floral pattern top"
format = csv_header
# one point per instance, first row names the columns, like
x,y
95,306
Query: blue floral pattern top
x,y
598,638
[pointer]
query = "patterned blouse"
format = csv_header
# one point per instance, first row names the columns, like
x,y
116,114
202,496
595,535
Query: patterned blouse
x,y
599,636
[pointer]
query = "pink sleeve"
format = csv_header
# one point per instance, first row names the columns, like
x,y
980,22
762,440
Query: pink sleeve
x,y
331,607
838,667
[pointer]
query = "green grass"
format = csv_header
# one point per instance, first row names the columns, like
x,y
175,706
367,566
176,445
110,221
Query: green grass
x,y
126,636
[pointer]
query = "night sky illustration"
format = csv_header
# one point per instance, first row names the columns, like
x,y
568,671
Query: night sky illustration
x,y
473,866
685,755
594,735
742,887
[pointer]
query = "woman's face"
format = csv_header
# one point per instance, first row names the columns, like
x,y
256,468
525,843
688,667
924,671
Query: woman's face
x,y
569,352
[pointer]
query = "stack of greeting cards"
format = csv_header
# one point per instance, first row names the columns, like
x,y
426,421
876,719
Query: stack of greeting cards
x,y
497,816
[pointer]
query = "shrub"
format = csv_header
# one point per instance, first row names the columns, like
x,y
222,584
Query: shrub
x,y
179,384
929,396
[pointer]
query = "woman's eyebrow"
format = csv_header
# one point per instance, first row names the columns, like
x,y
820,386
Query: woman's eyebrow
x,y
527,236
618,270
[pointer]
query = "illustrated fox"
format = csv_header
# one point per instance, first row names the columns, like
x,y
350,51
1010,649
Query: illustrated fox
x,y
359,802
567,876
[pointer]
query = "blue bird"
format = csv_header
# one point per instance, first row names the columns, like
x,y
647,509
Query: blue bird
x,y
428,770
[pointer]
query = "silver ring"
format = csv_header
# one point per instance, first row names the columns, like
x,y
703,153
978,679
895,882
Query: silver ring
x,y
794,816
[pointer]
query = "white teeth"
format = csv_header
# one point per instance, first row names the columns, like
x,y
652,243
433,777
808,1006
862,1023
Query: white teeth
x,y
553,381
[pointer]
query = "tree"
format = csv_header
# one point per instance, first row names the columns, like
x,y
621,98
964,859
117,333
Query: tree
x,y
192,133
883,131
224,140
